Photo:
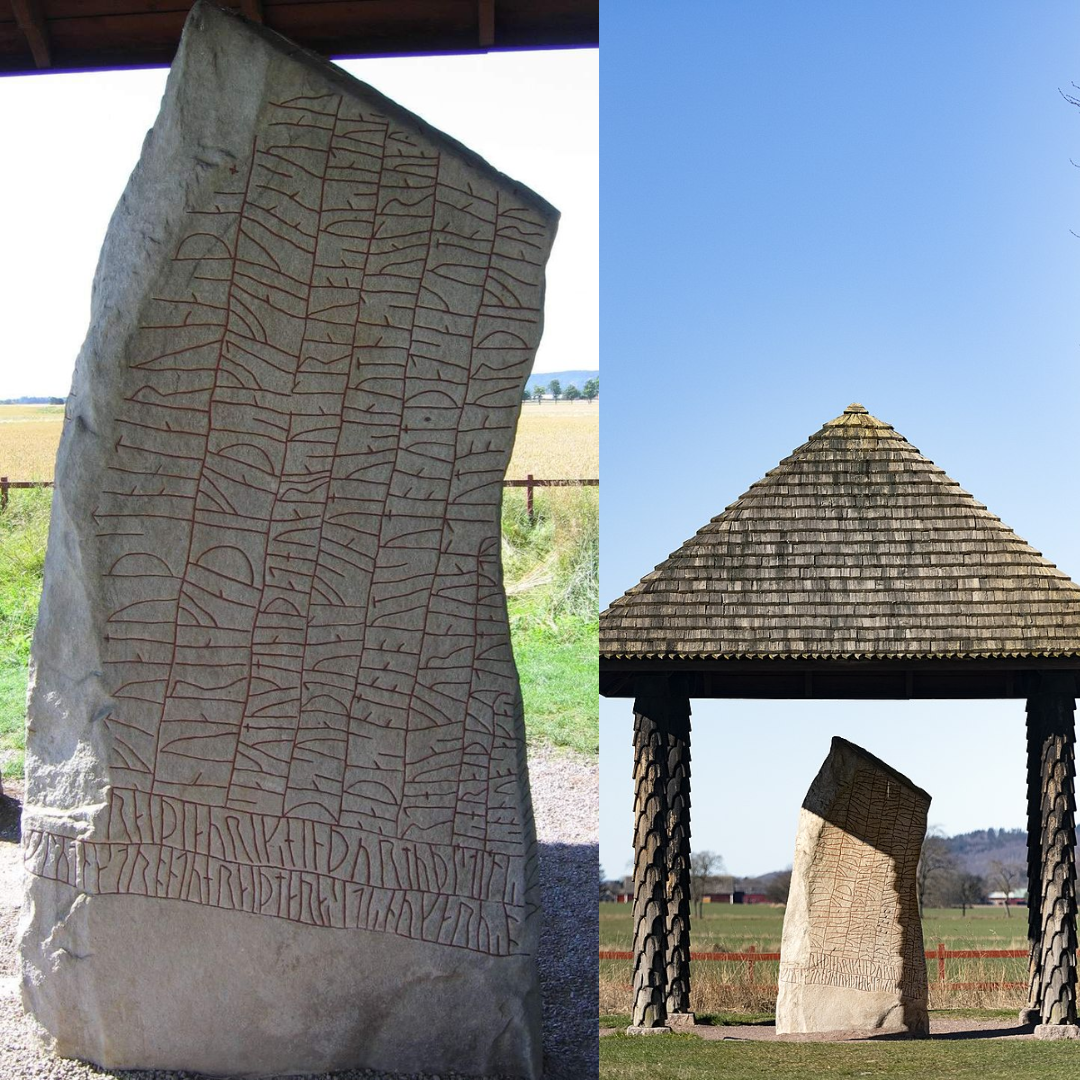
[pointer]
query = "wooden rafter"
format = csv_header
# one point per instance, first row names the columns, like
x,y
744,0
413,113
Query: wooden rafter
x,y
31,22
68,35
252,9
486,13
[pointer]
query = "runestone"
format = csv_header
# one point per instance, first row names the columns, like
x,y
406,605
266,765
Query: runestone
x,y
851,957
277,814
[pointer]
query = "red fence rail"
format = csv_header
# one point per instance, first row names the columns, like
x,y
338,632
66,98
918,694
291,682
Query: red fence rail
x,y
751,957
529,483
6,485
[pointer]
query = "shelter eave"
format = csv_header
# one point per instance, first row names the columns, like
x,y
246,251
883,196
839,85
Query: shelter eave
x,y
957,675
76,35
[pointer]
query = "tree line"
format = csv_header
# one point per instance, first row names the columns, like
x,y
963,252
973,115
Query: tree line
x,y
942,880
554,389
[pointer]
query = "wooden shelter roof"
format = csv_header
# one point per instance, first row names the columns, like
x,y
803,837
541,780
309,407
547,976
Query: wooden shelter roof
x,y
854,548
79,35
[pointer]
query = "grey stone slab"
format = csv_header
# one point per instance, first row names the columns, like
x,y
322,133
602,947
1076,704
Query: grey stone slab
x,y
277,813
852,954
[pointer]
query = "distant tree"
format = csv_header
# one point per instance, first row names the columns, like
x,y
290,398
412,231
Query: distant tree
x,y
555,389
937,866
572,393
1006,876
779,887
526,394
608,889
538,393
704,866
591,389
968,889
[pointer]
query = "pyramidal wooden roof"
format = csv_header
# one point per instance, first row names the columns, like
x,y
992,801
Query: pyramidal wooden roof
x,y
854,547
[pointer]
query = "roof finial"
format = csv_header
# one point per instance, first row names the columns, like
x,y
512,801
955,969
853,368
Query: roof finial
x,y
855,407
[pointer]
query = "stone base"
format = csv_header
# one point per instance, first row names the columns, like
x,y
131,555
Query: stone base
x,y
1057,1031
115,980
681,1020
1030,1016
635,1030
809,1008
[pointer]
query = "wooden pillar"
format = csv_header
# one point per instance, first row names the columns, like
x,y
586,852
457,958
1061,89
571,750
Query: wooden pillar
x,y
1051,739
678,858
661,853
1030,1015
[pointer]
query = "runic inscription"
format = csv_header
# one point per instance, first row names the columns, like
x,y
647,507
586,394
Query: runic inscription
x,y
852,922
312,697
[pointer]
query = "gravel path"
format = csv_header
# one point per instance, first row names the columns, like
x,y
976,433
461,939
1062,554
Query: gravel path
x,y
566,800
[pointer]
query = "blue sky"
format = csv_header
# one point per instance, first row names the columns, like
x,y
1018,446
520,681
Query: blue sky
x,y
807,205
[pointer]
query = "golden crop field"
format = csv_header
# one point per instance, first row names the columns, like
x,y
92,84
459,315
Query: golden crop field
x,y
29,436
556,440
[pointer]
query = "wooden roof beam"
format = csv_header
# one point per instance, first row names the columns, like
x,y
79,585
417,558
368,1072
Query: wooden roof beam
x,y
486,14
31,22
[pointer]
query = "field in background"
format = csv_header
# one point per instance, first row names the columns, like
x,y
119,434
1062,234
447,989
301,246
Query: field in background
x,y
735,927
557,440
29,436
719,986
551,566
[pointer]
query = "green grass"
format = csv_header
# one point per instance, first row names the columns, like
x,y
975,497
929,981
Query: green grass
x,y
687,1057
551,574
733,927
24,527
551,566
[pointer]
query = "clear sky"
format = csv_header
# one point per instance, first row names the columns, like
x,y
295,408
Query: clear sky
x,y
808,205
72,140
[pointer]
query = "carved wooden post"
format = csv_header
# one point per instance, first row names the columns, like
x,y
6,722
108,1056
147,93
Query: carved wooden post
x,y
678,856
650,867
1030,1014
1051,727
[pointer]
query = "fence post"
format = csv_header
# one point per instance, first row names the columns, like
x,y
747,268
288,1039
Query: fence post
x,y
941,961
528,498
3,493
750,964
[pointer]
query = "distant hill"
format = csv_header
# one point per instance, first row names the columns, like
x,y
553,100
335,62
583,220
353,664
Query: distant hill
x,y
576,378
977,850
33,401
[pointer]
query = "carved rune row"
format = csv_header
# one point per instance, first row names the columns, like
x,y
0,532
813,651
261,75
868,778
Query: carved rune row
x,y
300,526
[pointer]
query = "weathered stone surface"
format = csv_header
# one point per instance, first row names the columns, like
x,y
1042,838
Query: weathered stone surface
x,y
277,808
852,954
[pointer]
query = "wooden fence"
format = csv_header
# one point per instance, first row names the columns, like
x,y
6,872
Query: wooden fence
x,y
6,485
751,957
529,483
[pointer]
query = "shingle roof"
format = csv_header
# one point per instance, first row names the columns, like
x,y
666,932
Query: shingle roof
x,y
855,546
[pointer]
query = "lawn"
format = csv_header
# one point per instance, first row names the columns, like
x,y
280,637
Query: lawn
x,y
551,564
686,1057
